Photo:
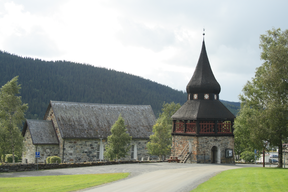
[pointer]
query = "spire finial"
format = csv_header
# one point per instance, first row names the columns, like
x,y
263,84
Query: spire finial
x,y
203,33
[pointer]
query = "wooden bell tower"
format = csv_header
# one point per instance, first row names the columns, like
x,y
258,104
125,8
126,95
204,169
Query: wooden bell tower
x,y
203,126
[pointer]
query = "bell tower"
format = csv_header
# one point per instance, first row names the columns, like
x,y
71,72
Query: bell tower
x,y
203,126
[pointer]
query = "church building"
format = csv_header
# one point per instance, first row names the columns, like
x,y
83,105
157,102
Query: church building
x,y
77,132
203,126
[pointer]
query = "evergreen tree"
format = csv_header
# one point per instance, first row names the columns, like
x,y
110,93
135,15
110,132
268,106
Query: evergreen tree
x,y
12,115
118,143
161,141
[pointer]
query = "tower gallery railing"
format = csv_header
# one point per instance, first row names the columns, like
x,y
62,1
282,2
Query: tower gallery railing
x,y
203,127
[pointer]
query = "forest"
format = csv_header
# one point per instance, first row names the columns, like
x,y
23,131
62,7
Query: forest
x,y
42,81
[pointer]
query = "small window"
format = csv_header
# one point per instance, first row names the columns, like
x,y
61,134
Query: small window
x,y
98,151
132,151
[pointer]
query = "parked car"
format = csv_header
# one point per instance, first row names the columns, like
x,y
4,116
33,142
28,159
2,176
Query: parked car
x,y
273,156
273,160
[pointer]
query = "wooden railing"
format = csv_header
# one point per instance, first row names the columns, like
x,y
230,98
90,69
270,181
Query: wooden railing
x,y
224,127
205,127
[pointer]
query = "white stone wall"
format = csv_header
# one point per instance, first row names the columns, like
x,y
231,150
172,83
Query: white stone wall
x,y
201,148
51,116
28,148
46,151
81,150
90,150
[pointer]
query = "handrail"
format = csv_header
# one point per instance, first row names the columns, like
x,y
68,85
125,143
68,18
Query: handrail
x,y
184,151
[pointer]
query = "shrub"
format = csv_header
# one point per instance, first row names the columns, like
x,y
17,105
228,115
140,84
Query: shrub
x,y
248,156
55,159
9,158
48,160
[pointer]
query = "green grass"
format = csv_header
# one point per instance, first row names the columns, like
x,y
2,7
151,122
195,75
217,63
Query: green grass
x,y
248,179
58,183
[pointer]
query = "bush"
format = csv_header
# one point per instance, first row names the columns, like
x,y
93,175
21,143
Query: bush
x,y
55,159
9,158
248,156
48,160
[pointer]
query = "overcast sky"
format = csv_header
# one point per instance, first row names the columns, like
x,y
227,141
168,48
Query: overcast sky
x,y
158,40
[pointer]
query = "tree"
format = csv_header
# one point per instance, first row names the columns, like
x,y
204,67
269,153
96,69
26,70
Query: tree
x,y
160,142
267,93
11,116
118,143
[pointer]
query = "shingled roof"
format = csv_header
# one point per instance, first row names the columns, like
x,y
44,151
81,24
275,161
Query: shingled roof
x,y
92,120
42,132
203,110
203,83
203,80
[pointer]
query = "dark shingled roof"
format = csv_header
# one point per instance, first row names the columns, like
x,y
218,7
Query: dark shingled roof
x,y
90,120
203,80
42,132
203,110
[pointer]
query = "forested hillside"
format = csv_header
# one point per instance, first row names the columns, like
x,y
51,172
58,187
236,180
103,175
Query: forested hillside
x,y
43,81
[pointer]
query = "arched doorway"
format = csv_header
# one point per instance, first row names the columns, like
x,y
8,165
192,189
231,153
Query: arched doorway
x,y
214,151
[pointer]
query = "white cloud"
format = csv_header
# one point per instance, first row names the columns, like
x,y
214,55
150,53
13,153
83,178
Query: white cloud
x,y
158,40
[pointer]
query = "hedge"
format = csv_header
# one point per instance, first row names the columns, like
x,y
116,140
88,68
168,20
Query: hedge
x,y
9,158
53,159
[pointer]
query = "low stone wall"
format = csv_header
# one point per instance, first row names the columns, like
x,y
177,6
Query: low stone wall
x,y
41,166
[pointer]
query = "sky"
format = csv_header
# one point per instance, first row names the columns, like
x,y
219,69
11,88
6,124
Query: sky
x,y
159,40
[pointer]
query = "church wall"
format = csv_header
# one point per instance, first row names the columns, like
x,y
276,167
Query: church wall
x,y
201,148
180,142
205,145
46,151
89,150
81,150
28,148
51,116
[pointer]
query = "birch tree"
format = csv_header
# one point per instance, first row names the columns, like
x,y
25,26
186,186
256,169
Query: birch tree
x,y
12,115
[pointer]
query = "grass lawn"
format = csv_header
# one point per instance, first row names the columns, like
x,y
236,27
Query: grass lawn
x,y
58,183
248,179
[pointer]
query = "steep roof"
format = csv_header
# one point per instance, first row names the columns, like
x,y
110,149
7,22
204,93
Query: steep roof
x,y
203,80
92,120
42,132
203,110
203,99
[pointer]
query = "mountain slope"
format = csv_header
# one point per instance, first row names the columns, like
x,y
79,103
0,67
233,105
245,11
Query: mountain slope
x,y
43,81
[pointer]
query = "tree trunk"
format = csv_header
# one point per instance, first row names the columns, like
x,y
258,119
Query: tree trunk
x,y
12,145
263,157
280,163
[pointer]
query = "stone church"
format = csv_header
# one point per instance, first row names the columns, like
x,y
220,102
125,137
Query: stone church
x,y
203,126
77,132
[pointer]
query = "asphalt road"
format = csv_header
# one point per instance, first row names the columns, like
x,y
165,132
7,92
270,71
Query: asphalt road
x,y
144,176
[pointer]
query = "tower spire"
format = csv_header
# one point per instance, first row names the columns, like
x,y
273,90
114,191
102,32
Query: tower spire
x,y
203,33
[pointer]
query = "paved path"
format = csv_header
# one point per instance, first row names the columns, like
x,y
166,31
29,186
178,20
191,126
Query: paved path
x,y
144,177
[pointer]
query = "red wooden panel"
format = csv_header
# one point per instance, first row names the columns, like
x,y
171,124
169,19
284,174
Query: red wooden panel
x,y
191,127
207,127
179,127
224,127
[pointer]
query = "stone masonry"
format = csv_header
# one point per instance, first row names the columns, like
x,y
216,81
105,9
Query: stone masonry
x,y
201,148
